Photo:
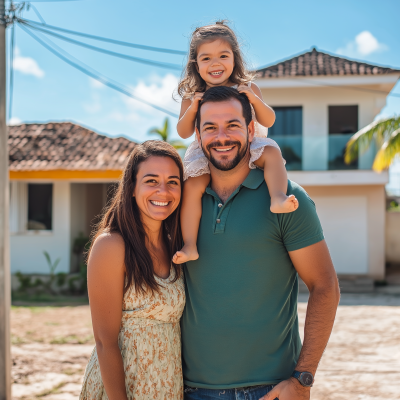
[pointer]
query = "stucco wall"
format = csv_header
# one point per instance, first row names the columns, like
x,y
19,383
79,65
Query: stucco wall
x,y
393,237
354,221
27,247
315,102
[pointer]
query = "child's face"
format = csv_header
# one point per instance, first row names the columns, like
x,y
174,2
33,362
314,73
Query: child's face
x,y
215,62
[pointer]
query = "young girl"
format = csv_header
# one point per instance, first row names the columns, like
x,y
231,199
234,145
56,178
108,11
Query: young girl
x,y
215,59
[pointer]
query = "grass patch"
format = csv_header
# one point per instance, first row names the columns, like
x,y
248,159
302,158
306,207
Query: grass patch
x,y
54,390
16,340
45,299
72,339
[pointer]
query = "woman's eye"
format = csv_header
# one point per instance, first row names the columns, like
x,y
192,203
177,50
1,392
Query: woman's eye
x,y
173,182
151,181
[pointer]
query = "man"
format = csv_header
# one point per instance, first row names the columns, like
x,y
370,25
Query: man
x,y
240,336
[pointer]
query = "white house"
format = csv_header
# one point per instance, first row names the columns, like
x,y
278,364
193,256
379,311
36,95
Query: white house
x,y
320,101
61,173
60,177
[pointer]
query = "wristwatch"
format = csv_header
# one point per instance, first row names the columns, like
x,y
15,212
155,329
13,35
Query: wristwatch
x,y
305,378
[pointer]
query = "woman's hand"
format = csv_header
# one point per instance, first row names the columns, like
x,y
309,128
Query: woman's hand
x,y
248,91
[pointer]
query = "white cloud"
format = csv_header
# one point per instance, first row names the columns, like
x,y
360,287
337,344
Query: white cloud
x,y
364,44
95,84
27,65
158,91
14,121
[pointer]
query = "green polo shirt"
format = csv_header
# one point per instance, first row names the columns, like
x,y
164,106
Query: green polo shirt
x,y
240,324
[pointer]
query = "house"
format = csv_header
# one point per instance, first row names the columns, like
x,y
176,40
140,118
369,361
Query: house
x,y
320,100
60,177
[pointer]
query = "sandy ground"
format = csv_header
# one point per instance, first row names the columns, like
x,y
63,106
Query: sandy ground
x,y
51,346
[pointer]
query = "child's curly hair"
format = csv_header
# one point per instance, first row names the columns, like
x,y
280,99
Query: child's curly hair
x,y
191,81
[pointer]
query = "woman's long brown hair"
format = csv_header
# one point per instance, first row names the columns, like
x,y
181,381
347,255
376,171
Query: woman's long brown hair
x,y
191,81
123,216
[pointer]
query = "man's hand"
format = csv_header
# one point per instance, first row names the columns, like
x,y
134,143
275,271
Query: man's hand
x,y
290,389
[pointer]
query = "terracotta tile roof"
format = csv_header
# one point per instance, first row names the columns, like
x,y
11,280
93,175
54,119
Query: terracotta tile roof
x,y
316,63
64,145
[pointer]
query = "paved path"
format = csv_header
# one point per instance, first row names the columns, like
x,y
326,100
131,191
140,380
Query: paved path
x,y
362,361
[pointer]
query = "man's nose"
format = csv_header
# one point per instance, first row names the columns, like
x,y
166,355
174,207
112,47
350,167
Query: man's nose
x,y
222,134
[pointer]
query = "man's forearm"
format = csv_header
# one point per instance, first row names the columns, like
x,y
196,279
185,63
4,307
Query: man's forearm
x,y
321,311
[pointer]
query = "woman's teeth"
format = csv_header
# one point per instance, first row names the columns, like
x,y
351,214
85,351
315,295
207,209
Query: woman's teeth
x,y
159,203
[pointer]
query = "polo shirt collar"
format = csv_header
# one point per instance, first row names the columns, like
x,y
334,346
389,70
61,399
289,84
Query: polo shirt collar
x,y
254,179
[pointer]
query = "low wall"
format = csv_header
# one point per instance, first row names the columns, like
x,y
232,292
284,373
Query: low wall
x,y
392,250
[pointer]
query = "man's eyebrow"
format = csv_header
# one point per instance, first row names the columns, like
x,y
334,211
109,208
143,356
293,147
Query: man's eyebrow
x,y
208,123
153,175
234,120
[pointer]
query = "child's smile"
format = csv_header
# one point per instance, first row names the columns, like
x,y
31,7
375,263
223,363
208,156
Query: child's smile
x,y
215,62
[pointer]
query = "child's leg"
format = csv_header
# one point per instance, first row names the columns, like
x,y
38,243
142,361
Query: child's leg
x,y
193,190
275,176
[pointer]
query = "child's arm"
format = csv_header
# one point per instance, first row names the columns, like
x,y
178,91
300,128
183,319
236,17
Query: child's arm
x,y
265,114
187,116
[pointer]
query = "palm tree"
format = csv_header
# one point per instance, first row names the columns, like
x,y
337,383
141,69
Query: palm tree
x,y
385,133
164,134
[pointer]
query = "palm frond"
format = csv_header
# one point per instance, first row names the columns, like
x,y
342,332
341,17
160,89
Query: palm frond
x,y
378,131
163,132
389,150
178,144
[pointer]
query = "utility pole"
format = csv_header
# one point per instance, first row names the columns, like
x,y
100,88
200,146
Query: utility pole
x,y
5,292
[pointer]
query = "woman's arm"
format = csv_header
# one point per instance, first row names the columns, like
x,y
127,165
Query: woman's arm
x,y
265,114
106,274
187,116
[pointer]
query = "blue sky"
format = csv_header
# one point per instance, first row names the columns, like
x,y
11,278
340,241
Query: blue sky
x,y
46,88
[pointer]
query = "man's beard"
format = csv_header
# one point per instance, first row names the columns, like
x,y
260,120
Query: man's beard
x,y
226,165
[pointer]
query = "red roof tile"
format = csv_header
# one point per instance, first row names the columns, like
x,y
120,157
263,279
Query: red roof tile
x,y
64,145
317,63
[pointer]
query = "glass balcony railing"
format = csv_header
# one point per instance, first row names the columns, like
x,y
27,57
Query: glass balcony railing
x,y
315,153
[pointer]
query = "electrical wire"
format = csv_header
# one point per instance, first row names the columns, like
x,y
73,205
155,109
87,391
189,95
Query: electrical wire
x,y
99,49
66,57
103,39
37,13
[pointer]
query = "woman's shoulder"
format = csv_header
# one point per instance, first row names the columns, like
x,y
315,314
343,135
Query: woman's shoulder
x,y
108,244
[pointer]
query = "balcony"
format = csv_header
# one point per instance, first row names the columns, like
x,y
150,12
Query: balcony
x,y
316,153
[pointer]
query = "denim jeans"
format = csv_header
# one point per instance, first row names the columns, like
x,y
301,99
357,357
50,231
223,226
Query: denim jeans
x,y
246,393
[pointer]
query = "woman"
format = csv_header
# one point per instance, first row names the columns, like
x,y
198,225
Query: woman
x,y
136,295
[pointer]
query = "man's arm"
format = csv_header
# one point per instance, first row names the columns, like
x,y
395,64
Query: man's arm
x,y
315,268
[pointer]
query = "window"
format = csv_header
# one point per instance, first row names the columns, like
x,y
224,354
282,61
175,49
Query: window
x,y
40,204
343,119
287,132
343,123
289,121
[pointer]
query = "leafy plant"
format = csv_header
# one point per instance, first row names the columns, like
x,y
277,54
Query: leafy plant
x,y
52,266
164,134
385,133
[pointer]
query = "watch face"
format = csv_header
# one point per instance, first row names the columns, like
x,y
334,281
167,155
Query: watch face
x,y
306,378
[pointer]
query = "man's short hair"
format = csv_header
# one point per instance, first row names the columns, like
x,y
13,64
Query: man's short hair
x,y
224,93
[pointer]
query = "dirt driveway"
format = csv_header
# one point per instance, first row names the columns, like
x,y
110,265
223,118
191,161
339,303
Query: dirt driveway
x,y
51,346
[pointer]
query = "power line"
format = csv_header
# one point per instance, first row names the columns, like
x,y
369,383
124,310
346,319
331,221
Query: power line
x,y
103,39
37,13
99,49
66,57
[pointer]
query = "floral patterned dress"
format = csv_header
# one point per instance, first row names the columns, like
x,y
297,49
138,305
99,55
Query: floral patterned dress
x,y
150,343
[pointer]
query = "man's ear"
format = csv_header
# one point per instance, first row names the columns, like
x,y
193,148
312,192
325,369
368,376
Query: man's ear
x,y
198,137
251,130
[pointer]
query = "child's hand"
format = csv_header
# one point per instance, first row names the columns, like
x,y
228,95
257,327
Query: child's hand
x,y
248,91
196,100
